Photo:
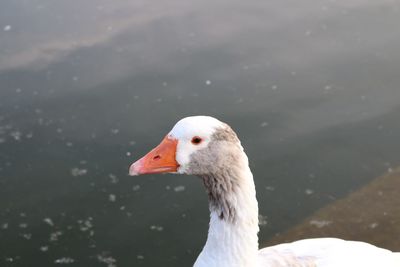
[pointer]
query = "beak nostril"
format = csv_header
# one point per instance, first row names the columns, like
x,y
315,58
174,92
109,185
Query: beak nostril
x,y
157,157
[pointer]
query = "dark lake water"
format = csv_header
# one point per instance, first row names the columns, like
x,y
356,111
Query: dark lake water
x,y
311,87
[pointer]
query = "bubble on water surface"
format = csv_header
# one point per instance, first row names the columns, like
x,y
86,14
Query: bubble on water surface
x,y
179,188
44,248
136,187
112,198
78,172
48,221
54,236
64,260
157,228
113,178
109,260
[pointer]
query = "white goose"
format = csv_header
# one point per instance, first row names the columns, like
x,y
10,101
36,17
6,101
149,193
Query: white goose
x,y
210,149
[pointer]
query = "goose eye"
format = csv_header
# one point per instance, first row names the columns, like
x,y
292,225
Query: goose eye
x,y
196,140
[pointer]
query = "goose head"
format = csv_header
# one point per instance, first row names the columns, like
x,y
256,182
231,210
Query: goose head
x,y
208,148
198,145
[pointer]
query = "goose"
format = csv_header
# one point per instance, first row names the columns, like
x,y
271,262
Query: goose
x,y
208,148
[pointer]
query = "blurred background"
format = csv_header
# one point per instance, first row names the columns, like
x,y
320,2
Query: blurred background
x,y
311,87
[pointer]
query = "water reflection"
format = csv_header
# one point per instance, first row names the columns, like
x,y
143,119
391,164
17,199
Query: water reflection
x,y
311,88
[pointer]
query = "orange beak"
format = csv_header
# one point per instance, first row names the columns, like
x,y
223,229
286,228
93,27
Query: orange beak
x,y
159,160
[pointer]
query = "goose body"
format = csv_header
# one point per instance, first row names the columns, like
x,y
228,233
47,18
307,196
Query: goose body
x,y
208,148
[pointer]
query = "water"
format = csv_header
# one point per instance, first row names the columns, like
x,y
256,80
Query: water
x,y
312,89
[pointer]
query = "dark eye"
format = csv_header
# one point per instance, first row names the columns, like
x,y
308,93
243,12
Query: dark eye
x,y
196,140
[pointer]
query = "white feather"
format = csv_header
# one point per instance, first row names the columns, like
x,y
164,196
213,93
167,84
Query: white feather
x,y
236,244
327,252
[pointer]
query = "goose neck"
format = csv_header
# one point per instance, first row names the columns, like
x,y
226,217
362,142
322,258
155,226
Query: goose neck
x,y
232,237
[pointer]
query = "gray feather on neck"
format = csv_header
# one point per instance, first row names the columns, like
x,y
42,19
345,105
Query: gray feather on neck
x,y
219,166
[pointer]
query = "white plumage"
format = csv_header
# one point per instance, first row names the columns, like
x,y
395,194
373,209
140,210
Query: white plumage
x,y
218,157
